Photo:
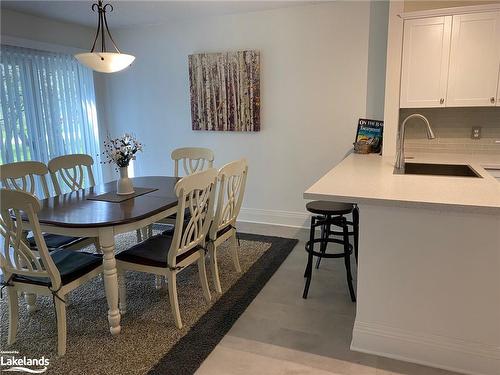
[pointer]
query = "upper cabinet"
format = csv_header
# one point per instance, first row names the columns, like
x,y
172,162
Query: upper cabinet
x,y
474,60
426,53
451,61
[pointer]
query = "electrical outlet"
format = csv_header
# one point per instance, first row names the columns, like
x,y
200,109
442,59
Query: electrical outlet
x,y
476,132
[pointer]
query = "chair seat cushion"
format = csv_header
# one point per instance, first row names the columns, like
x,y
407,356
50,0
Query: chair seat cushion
x,y
55,241
152,252
187,215
71,266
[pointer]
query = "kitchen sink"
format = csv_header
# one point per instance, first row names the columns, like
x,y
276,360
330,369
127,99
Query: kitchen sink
x,y
456,170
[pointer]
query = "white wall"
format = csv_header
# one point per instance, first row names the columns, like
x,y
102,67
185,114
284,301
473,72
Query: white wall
x,y
313,89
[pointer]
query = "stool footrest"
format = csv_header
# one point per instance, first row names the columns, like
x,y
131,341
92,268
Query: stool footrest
x,y
326,255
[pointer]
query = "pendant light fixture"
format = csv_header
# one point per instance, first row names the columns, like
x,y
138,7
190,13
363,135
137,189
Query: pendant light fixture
x,y
103,61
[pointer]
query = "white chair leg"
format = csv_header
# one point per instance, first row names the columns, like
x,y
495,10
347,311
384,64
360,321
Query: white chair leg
x,y
212,250
234,253
13,315
61,326
174,302
30,299
122,292
203,278
158,281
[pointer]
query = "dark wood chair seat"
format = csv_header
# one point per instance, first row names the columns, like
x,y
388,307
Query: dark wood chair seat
x,y
329,208
71,266
152,252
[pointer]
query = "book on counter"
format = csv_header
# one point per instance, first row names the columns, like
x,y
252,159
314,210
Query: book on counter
x,y
369,136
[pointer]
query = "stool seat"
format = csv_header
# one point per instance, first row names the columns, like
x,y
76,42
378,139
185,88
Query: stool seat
x,y
329,208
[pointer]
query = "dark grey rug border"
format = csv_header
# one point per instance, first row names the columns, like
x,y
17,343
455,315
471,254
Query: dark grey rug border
x,y
186,356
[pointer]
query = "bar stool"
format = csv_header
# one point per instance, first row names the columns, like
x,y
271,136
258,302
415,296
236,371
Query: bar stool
x,y
326,215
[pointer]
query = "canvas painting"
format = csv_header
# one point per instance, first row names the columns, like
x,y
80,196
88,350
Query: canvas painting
x,y
225,91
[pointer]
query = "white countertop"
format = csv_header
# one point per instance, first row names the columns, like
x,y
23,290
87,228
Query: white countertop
x,y
369,178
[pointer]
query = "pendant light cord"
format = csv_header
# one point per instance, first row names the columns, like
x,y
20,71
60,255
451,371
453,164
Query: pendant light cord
x,y
101,24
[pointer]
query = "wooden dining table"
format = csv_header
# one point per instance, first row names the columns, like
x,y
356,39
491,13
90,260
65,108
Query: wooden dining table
x,y
74,214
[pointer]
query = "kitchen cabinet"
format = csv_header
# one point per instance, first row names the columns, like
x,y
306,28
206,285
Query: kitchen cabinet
x,y
474,60
426,51
451,61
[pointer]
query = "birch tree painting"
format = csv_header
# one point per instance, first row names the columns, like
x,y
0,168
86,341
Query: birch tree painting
x,y
225,91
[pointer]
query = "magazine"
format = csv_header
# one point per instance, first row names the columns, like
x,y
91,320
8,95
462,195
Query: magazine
x,y
370,132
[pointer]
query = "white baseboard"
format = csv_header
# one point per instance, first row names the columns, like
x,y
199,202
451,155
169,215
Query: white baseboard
x,y
431,350
275,217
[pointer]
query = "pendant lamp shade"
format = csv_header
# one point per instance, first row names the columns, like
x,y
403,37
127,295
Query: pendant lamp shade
x,y
104,61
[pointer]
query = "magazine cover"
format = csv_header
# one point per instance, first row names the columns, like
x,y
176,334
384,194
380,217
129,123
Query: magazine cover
x,y
370,132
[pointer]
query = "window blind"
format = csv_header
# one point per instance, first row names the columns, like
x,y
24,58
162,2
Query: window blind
x,y
47,107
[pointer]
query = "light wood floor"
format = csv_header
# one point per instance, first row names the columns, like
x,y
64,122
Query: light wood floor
x,y
281,333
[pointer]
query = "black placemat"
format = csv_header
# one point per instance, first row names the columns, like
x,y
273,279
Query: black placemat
x,y
111,196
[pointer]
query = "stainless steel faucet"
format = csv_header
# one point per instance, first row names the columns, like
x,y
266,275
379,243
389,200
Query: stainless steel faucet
x,y
400,156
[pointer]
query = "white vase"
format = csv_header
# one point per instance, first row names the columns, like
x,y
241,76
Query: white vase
x,y
124,184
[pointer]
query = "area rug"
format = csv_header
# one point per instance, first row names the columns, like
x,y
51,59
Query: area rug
x,y
149,342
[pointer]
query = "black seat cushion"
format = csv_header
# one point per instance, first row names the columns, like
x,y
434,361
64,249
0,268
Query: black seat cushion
x,y
55,241
187,215
71,266
329,208
152,252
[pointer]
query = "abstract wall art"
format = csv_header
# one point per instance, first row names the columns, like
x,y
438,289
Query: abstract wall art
x,y
225,91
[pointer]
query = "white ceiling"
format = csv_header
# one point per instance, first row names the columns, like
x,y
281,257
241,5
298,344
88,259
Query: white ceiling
x,y
129,13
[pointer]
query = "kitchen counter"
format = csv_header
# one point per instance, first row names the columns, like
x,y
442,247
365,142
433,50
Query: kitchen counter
x,y
370,178
428,275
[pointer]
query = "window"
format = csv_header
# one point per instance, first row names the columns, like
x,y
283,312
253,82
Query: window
x,y
47,107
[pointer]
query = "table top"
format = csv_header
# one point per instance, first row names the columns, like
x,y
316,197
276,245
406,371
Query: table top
x,y
74,210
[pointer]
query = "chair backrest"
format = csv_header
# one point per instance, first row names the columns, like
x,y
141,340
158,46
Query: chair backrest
x,y
231,179
22,175
197,192
17,257
70,170
192,160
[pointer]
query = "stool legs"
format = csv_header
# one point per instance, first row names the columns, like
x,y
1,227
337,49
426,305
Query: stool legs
x,y
325,229
355,222
308,271
347,260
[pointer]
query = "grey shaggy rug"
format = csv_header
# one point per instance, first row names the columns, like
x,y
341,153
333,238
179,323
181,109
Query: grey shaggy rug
x,y
148,331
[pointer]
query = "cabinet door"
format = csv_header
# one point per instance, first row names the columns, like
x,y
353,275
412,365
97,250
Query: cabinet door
x,y
474,59
426,52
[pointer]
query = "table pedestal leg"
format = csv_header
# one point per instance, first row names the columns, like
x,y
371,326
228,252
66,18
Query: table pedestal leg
x,y
107,242
30,299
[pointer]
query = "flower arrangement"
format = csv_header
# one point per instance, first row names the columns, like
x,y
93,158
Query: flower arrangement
x,y
121,150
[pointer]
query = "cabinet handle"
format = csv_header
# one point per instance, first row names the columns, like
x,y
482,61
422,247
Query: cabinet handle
x,y
441,101
492,99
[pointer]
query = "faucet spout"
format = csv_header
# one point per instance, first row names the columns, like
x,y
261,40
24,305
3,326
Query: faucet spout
x,y
400,155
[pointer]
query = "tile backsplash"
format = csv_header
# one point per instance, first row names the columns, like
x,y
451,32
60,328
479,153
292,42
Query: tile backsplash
x,y
453,127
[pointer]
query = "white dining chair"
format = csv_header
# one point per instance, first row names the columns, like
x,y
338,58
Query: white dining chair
x,y
231,179
23,176
74,171
187,160
191,160
166,255
54,274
